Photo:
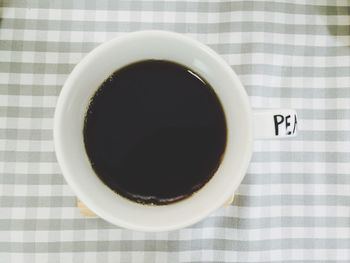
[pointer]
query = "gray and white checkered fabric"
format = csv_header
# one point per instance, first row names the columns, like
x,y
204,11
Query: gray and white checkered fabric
x,y
294,204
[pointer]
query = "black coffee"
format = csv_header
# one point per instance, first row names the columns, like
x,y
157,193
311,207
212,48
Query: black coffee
x,y
155,132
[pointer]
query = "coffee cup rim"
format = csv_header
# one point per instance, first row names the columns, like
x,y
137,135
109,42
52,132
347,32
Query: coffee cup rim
x,y
84,189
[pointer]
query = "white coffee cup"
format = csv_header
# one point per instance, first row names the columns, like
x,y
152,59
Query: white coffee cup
x,y
243,126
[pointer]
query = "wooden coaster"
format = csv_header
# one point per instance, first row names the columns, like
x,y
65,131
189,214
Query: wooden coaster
x,y
229,201
84,210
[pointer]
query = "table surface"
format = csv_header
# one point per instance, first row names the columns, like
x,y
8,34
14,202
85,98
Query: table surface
x,y
294,203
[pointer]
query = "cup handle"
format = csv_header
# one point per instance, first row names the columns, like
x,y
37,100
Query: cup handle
x,y
275,123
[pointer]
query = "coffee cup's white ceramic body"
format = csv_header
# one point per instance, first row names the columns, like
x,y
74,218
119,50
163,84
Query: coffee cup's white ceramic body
x,y
243,125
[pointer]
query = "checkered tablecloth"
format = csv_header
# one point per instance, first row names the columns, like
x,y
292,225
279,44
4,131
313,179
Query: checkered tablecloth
x,y
294,203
